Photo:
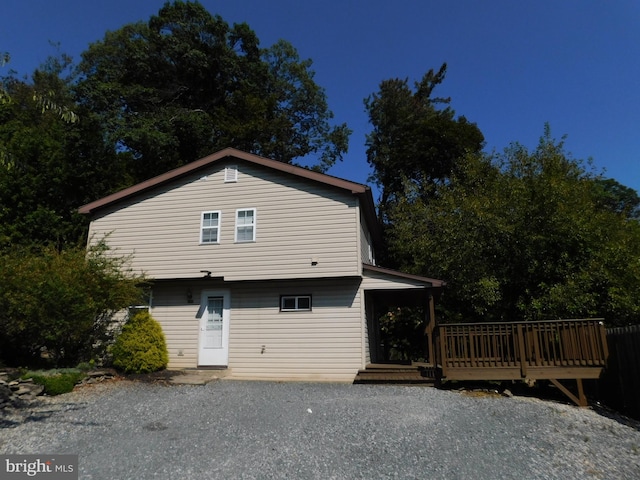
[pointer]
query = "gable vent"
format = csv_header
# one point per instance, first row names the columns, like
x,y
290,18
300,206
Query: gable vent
x,y
231,173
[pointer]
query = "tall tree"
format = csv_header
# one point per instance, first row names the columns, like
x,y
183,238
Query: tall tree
x,y
416,138
618,198
49,166
523,235
185,84
44,100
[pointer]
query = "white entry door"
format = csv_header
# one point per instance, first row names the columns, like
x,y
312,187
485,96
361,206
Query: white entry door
x,y
214,329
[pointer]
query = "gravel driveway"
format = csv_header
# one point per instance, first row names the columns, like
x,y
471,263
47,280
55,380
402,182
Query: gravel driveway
x,y
233,429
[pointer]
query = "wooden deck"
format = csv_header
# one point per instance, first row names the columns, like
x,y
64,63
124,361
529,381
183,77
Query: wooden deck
x,y
550,350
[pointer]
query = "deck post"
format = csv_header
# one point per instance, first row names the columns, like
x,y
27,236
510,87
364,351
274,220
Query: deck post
x,y
523,354
603,335
581,395
442,350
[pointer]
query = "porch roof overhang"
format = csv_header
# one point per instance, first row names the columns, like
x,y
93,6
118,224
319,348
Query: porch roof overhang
x,y
397,275
392,287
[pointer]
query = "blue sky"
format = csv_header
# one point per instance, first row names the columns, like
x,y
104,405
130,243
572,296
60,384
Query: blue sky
x,y
512,66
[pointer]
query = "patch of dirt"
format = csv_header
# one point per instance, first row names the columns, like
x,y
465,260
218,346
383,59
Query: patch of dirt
x,y
162,377
481,393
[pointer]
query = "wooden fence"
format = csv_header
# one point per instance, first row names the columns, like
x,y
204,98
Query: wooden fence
x,y
551,350
619,386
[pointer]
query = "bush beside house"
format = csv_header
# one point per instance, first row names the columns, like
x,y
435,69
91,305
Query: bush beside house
x,y
57,308
141,347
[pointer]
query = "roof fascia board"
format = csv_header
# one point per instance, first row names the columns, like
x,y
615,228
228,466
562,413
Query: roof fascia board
x,y
432,282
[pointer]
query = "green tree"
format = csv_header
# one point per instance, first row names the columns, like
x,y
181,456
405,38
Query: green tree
x,y
416,138
4,95
402,333
618,198
523,235
56,308
185,83
48,166
46,101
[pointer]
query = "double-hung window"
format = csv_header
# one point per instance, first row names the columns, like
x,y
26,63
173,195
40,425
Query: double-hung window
x,y
246,225
210,227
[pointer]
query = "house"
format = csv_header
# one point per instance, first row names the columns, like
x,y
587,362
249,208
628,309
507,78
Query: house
x,y
259,266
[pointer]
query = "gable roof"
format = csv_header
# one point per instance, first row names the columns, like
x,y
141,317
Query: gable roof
x,y
363,192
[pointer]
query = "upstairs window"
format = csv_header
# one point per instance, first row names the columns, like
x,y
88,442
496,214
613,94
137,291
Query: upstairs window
x,y
210,227
295,303
246,225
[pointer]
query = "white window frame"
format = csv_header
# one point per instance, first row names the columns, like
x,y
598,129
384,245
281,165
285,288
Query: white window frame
x,y
296,307
372,253
238,225
217,228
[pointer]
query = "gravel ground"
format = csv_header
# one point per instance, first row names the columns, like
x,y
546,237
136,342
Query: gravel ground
x,y
232,429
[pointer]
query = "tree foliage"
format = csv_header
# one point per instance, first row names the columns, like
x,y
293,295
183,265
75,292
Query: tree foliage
x,y
49,167
523,235
56,308
414,144
618,198
402,334
46,101
185,84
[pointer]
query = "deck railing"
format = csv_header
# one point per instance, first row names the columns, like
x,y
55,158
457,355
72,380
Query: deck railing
x,y
564,348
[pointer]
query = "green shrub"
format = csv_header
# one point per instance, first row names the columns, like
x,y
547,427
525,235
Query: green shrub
x,y
56,308
56,382
86,366
141,347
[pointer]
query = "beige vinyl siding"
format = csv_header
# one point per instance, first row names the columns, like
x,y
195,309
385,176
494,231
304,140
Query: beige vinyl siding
x,y
265,343
296,221
367,312
179,322
323,344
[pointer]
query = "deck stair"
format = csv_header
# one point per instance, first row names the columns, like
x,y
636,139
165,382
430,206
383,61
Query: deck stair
x,y
399,374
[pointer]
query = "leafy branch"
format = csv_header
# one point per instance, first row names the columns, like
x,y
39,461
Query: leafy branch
x,y
46,103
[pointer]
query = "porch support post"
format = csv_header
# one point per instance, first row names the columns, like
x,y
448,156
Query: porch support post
x,y
431,324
